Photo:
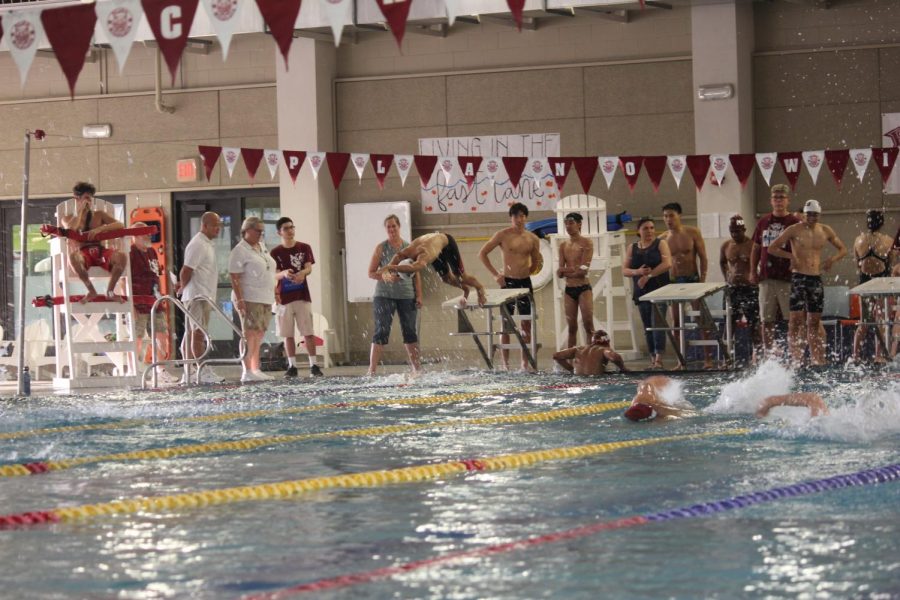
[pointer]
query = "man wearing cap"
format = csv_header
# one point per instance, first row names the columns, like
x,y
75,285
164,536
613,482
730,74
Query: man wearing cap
x,y
773,274
734,260
807,298
575,255
873,252
591,359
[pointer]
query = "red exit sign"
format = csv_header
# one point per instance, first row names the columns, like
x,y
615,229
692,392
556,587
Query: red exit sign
x,y
186,170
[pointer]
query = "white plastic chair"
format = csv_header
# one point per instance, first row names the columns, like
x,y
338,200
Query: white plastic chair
x,y
37,339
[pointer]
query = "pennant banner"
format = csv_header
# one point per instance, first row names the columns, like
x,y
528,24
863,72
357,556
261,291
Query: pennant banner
x,y
271,158
718,164
885,158
677,165
837,164
69,30
469,166
293,160
223,18
698,165
790,164
119,20
209,154
514,166
742,165
559,168
231,157
425,166
446,165
492,166
252,157
538,167
656,167
608,166
861,158
23,35
766,162
381,163
395,13
280,16
337,165
516,7
170,21
813,159
338,13
404,164
453,7
586,167
631,168
359,163
315,162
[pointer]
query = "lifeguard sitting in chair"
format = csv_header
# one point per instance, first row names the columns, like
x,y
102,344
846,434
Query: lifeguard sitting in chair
x,y
90,253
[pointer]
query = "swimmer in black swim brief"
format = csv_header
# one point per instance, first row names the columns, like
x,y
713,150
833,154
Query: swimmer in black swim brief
x,y
575,292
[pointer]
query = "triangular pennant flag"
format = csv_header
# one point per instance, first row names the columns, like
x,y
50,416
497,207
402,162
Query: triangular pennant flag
x,y
425,164
742,165
359,163
469,166
170,21
404,164
315,160
209,154
453,7
559,168
337,165
271,158
446,168
231,156
813,159
119,20
338,13
885,158
1,29
538,167
223,18
861,158
790,164
631,168
492,166
514,166
381,164
766,163
837,163
281,17
719,164
69,30
677,166
395,13
698,165
24,31
293,160
608,166
252,157
516,7
586,167
656,166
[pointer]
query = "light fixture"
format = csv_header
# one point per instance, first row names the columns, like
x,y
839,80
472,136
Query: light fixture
x,y
716,91
96,130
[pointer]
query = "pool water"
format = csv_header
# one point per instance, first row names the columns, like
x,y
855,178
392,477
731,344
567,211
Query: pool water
x,y
835,544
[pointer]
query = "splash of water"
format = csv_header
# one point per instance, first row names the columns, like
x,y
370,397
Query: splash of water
x,y
857,415
744,395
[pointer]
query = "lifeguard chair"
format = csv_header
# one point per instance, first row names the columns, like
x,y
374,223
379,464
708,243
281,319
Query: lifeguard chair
x,y
80,342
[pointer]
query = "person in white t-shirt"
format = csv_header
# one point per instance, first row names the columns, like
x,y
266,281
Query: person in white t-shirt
x,y
199,276
252,272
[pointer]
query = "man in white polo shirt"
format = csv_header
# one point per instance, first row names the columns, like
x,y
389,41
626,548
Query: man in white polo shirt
x,y
199,276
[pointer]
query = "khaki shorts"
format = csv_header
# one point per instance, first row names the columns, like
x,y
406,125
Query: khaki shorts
x,y
142,324
257,317
774,293
200,310
292,316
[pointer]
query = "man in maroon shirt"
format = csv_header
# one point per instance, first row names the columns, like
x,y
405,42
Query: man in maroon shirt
x,y
144,282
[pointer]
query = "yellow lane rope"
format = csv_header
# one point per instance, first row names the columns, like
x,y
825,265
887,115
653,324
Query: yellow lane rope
x,y
286,489
252,444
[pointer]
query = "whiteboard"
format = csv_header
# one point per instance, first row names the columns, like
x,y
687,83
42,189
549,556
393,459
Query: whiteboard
x,y
363,230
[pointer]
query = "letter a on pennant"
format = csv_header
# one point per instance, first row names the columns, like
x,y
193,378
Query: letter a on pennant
x,y
469,166
170,21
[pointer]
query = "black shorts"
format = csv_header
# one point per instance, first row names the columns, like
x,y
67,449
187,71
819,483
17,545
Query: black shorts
x,y
449,259
523,304
575,292
744,302
807,293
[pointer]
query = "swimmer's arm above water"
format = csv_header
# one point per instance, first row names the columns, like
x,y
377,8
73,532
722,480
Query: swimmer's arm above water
x,y
810,400
564,358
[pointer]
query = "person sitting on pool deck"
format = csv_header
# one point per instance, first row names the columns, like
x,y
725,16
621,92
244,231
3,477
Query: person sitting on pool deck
x,y
591,359
441,252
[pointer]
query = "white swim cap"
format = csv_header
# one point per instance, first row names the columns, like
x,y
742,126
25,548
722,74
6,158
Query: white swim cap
x,y
405,261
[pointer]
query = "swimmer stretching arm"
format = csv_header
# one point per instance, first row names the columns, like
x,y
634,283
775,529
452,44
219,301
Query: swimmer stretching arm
x,y
810,400
564,358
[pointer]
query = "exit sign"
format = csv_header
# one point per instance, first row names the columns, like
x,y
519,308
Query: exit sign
x,y
186,170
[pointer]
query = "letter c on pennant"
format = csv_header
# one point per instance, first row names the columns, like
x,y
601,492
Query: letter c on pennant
x,y
170,22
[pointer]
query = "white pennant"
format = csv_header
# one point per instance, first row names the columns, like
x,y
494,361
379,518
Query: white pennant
x,y
23,32
223,17
359,162
766,162
493,165
452,10
315,160
231,156
119,20
446,164
860,158
271,157
537,166
608,166
677,164
338,13
404,163
718,164
813,160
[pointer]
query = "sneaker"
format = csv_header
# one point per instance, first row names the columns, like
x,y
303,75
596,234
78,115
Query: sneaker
x,y
210,376
163,377
315,371
290,373
254,376
260,376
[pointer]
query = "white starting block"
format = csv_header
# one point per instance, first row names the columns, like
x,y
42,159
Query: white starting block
x,y
678,294
496,301
883,288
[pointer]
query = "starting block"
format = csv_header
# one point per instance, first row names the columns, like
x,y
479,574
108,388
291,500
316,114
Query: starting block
x,y
495,306
880,288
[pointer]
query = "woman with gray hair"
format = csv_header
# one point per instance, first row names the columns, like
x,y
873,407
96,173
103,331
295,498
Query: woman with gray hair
x,y
252,272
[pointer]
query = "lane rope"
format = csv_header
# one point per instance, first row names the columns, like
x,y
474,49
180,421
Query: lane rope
x,y
365,479
874,476
36,468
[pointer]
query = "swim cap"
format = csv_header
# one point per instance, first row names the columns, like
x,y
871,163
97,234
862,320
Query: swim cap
x,y
602,337
405,261
640,412
874,219
737,221
812,206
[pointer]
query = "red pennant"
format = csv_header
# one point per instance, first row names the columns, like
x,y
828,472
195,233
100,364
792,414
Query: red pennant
x,y
252,157
837,162
514,166
337,164
280,16
209,154
631,168
559,168
790,164
469,166
742,164
381,164
884,159
516,7
396,13
698,165
656,168
293,160
69,30
170,21
586,167
425,165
